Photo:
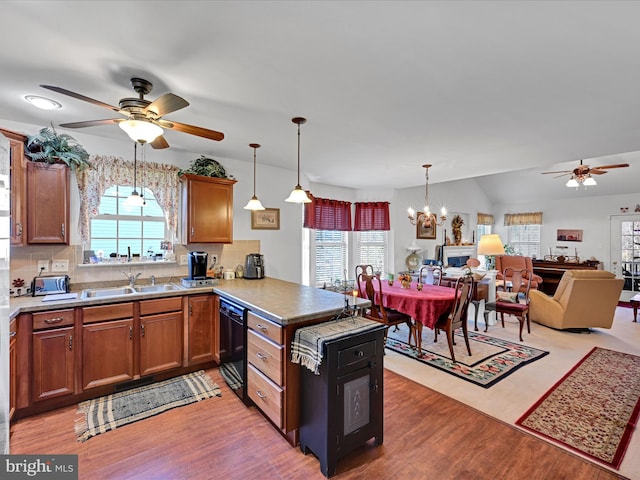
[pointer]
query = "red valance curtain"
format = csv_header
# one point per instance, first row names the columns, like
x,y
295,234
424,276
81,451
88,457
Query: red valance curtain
x,y
326,214
372,216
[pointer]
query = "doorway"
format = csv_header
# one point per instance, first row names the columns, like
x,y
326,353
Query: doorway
x,y
625,252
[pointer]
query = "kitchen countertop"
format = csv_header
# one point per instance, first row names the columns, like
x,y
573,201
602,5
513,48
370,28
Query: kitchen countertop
x,y
278,300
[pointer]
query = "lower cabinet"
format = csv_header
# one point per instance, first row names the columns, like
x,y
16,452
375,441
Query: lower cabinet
x,y
13,368
53,354
200,328
160,335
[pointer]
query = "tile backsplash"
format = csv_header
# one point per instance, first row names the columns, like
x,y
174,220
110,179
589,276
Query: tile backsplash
x,y
24,262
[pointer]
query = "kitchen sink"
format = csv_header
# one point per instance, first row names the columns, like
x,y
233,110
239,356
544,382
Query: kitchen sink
x,y
107,292
166,287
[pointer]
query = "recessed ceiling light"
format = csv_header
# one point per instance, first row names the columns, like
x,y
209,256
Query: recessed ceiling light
x,y
42,102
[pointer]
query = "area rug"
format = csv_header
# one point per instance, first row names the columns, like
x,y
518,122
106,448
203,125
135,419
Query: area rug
x,y
593,409
492,359
112,411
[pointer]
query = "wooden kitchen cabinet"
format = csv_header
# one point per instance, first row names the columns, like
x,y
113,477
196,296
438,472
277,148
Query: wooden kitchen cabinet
x,y
53,346
47,203
18,212
207,209
13,368
160,335
200,328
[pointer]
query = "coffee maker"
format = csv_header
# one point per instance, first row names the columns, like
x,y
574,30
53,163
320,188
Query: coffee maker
x,y
197,265
254,266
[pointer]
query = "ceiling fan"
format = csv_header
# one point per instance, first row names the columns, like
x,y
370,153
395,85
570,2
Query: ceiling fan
x,y
144,122
582,174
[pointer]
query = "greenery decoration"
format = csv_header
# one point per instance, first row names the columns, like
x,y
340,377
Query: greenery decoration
x,y
207,167
52,147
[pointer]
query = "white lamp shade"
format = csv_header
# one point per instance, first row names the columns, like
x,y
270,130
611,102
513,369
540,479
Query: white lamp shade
x,y
572,183
141,131
298,196
490,245
134,200
254,204
589,181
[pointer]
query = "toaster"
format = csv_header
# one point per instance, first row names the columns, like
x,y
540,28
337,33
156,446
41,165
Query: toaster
x,y
49,285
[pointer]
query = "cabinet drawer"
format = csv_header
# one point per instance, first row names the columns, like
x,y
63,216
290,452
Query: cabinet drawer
x,y
107,312
265,327
265,355
265,394
55,318
348,357
161,305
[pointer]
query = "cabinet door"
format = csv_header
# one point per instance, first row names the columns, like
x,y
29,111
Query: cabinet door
x,y
107,353
201,342
13,369
160,342
53,363
18,187
47,203
207,205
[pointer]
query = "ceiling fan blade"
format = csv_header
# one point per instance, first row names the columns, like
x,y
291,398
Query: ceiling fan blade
x,y
596,171
199,131
159,142
561,171
561,174
92,123
80,97
602,167
167,103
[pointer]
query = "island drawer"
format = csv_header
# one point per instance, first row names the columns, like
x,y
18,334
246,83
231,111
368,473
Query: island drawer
x,y
52,319
267,396
107,312
160,305
265,327
265,355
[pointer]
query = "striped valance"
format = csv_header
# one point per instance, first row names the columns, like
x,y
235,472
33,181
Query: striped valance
x,y
485,219
531,218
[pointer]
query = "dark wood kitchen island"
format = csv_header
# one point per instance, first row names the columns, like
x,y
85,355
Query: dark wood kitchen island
x,y
276,309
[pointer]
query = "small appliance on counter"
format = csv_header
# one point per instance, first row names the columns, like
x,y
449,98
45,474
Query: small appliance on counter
x,y
54,284
254,266
197,262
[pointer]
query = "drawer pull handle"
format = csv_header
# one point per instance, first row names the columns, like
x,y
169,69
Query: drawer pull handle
x,y
260,394
261,356
261,327
359,353
51,321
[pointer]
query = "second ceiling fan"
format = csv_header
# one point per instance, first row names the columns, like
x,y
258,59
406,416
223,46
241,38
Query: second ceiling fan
x,y
582,173
143,122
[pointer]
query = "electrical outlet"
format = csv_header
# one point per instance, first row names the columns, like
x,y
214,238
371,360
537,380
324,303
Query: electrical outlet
x,y
184,260
214,259
59,265
43,266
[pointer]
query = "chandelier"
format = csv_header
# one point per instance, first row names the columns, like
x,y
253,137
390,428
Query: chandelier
x,y
426,218
581,179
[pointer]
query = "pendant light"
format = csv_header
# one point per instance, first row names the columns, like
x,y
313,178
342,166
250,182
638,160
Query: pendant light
x,y
426,218
135,199
298,195
254,203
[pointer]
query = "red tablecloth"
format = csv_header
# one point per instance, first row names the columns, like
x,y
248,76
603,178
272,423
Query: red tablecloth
x,y
424,306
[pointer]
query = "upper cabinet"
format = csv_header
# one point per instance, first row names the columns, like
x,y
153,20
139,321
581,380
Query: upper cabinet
x,y
18,186
47,203
207,209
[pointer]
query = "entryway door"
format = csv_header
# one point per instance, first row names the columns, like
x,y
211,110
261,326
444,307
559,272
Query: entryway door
x,y
624,243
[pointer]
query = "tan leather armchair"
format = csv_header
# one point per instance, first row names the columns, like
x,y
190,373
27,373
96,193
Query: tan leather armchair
x,y
584,299
517,263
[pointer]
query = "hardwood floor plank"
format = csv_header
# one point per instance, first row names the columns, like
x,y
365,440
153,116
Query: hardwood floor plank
x,y
426,435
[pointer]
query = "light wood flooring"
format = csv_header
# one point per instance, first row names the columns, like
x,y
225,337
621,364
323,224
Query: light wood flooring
x,y
426,436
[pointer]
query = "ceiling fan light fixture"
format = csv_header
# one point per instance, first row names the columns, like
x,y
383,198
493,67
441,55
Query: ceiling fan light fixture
x,y
254,203
141,130
298,195
572,183
42,103
589,181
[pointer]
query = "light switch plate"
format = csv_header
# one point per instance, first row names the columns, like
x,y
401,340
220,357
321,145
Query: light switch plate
x,y
184,260
59,265
43,266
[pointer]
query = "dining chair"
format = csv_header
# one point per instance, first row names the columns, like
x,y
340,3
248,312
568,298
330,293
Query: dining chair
x,y
457,317
434,273
513,302
369,284
366,269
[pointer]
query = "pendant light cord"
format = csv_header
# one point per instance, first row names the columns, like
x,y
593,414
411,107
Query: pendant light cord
x,y
135,155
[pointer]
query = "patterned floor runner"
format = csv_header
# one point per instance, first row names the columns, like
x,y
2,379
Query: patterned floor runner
x,y
593,409
492,359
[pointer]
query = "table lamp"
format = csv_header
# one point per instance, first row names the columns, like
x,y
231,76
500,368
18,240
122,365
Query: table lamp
x,y
490,246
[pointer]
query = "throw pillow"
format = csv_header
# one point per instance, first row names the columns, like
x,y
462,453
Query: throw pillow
x,y
509,297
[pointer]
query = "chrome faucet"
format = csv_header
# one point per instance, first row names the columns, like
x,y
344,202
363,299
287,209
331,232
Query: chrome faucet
x,y
153,279
132,277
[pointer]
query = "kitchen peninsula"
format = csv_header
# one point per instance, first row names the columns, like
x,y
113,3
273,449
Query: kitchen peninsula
x,y
68,328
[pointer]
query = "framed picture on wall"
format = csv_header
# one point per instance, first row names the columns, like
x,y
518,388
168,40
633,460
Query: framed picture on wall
x,y
426,233
569,235
267,219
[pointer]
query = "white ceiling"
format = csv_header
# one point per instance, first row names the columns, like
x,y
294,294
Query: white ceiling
x,y
474,88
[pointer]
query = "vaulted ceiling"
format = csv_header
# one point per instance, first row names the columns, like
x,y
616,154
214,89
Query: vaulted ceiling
x,y
474,88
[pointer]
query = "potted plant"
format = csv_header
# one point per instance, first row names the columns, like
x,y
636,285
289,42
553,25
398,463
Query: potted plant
x,y
52,147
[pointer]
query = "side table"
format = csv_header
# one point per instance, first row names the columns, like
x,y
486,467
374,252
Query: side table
x,y
635,301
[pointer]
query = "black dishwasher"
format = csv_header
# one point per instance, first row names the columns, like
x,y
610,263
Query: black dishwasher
x,y
233,341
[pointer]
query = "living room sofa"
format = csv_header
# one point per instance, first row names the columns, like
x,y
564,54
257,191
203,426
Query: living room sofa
x,y
583,299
